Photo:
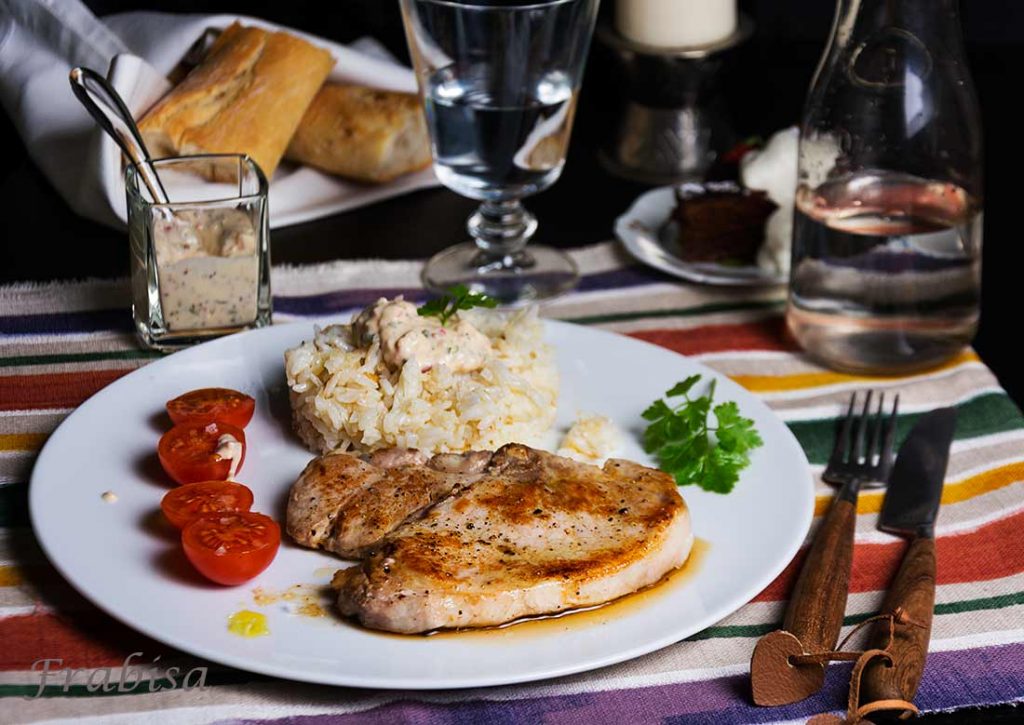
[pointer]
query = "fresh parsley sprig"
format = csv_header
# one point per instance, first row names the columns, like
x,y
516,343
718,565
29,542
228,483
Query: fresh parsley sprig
x,y
457,298
681,439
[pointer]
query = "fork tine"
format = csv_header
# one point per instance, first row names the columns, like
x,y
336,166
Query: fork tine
x,y
875,447
890,434
842,439
861,428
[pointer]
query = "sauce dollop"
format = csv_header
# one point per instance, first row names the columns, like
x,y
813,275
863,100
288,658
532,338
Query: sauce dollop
x,y
404,335
230,448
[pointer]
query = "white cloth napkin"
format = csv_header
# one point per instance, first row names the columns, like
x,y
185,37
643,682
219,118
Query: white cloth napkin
x,y
41,40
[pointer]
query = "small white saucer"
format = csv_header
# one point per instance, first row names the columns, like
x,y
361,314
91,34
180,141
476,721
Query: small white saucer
x,y
648,233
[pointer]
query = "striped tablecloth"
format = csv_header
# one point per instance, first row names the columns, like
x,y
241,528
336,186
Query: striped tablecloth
x,y
60,343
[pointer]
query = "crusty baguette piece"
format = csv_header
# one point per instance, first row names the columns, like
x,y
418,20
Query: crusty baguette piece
x,y
362,133
247,96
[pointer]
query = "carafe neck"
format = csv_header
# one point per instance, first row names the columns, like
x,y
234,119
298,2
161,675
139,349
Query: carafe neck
x,y
927,20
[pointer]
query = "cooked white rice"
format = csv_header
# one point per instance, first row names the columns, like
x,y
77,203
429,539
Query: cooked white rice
x,y
345,398
591,439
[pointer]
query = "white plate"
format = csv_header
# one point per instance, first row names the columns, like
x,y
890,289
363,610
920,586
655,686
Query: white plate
x,y
120,556
649,235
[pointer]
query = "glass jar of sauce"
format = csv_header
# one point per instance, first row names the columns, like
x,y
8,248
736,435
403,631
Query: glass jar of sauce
x,y
200,264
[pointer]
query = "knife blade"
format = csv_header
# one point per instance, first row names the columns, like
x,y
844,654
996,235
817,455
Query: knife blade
x,y
915,486
910,509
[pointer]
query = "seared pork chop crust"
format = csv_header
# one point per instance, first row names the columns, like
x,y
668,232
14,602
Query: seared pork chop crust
x,y
534,534
344,505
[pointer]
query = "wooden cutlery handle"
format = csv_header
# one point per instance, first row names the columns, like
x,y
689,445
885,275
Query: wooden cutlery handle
x,y
913,591
816,606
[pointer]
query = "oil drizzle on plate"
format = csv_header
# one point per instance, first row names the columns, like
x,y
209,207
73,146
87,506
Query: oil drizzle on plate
x,y
601,614
247,623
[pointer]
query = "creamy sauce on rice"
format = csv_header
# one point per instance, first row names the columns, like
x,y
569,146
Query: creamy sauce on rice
x,y
404,335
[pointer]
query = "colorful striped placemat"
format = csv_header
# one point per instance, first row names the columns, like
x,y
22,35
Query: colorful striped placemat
x,y
61,342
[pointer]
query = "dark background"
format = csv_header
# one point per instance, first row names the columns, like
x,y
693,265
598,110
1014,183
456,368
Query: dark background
x,y
765,83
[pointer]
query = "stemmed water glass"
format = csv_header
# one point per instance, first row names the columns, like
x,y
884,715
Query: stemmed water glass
x,y
499,81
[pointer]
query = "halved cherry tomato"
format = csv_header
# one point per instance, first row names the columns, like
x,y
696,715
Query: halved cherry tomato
x,y
189,452
231,548
210,405
185,503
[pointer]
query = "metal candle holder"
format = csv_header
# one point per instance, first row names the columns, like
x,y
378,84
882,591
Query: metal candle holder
x,y
674,122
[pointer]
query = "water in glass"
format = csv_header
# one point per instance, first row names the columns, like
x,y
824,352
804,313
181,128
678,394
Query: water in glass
x,y
498,146
498,80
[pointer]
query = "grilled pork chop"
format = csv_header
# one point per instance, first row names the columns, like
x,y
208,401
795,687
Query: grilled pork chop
x,y
532,534
344,505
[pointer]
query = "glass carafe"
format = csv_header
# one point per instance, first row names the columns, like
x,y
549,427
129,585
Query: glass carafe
x,y
886,266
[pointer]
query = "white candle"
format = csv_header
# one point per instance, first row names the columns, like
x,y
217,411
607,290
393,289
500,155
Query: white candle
x,y
676,23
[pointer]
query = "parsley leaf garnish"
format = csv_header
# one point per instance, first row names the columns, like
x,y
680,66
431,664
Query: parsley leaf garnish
x,y
692,451
457,298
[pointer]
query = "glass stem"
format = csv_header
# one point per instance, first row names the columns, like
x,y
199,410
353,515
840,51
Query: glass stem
x,y
501,229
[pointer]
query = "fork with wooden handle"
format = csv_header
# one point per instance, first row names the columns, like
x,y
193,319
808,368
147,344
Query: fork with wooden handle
x,y
862,457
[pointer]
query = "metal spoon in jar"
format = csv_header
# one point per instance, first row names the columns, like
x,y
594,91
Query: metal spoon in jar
x,y
105,105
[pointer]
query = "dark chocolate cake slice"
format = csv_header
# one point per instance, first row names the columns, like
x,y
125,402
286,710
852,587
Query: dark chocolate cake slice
x,y
721,222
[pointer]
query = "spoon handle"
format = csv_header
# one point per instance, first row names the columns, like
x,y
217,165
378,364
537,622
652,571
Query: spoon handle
x,y
104,104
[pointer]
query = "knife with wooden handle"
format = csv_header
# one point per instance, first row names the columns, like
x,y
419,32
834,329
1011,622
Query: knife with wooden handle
x,y
910,509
